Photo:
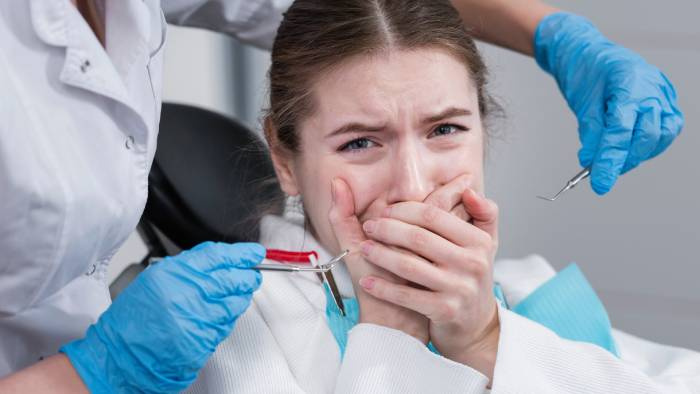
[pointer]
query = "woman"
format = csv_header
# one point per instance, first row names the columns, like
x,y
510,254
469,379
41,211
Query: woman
x,y
376,123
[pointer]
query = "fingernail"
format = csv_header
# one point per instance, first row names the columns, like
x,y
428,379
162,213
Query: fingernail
x,y
386,212
367,283
365,247
369,226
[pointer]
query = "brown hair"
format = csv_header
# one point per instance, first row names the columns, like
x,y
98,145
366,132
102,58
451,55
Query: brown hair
x,y
316,35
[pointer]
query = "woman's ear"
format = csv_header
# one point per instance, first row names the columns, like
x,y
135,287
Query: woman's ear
x,y
285,174
282,160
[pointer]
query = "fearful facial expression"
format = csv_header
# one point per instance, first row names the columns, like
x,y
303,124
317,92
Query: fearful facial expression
x,y
395,126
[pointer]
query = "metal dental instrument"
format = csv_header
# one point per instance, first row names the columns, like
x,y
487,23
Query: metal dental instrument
x,y
337,298
295,268
570,184
324,270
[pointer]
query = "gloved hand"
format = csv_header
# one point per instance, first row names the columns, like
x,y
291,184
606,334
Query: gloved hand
x,y
626,108
164,326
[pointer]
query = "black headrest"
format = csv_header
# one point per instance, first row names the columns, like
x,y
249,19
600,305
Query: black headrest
x,y
210,180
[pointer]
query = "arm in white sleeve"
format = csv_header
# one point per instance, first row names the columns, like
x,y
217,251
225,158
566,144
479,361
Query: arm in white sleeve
x,y
251,21
377,360
533,359
383,360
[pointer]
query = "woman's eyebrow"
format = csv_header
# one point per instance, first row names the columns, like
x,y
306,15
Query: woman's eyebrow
x,y
355,127
447,113
450,112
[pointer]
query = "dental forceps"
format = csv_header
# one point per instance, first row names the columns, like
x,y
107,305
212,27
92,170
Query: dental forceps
x,y
570,184
287,260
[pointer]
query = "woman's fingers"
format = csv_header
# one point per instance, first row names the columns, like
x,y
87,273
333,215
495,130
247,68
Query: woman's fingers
x,y
348,231
427,244
461,213
438,221
344,222
428,303
405,265
449,197
484,213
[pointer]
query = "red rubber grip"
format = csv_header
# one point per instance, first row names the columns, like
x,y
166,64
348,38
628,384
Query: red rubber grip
x,y
285,256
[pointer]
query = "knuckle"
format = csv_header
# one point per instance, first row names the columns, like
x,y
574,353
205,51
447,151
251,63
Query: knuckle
x,y
441,202
481,265
480,268
430,214
473,263
418,239
407,269
469,288
485,239
448,310
402,294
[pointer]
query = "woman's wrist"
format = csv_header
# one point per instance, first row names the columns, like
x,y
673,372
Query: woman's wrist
x,y
375,311
481,353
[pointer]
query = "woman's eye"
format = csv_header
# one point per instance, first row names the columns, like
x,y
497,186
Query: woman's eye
x,y
357,144
446,128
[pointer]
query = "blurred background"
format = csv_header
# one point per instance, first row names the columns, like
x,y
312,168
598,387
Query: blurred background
x,y
638,245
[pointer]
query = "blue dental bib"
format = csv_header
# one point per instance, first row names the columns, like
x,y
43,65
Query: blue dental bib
x,y
566,304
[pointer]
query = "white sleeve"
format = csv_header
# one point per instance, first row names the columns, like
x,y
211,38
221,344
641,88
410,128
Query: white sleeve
x,y
533,359
251,21
377,360
383,360
248,361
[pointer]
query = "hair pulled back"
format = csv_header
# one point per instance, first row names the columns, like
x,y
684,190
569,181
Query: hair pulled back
x,y
316,35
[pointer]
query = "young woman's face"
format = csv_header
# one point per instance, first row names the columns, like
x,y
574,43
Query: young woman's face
x,y
394,126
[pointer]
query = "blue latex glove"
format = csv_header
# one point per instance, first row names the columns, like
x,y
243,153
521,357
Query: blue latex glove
x,y
164,326
626,108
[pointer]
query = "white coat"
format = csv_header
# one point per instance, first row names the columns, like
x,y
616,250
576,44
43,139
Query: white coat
x,y
283,344
78,128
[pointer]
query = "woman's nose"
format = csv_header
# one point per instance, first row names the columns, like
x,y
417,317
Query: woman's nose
x,y
411,178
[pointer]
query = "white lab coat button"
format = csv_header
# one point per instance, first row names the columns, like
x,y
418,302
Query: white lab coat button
x,y
129,142
84,67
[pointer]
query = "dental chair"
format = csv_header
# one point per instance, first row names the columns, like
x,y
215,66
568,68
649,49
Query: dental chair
x,y
210,179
